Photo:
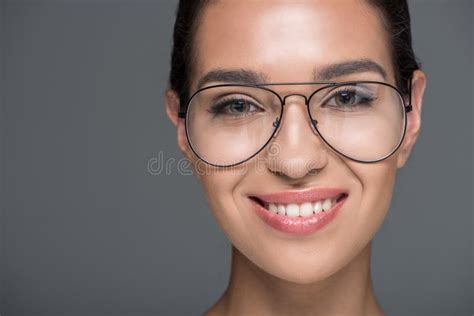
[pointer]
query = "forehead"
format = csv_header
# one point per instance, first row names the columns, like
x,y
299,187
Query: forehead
x,y
287,40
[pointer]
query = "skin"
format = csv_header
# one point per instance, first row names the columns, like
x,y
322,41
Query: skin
x,y
328,272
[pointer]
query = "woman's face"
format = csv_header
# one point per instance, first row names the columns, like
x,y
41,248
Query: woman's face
x,y
290,41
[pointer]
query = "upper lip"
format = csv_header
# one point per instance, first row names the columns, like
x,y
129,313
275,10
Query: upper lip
x,y
302,196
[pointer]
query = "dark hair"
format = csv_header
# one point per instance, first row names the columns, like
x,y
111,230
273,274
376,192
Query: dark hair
x,y
395,18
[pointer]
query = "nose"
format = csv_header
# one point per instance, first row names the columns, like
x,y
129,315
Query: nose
x,y
296,150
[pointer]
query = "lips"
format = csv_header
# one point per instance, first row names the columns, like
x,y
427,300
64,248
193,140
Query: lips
x,y
299,212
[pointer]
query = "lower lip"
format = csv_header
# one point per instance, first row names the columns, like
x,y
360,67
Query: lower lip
x,y
298,225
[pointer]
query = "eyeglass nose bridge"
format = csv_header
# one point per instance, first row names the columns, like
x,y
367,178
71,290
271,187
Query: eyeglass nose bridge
x,y
283,101
277,122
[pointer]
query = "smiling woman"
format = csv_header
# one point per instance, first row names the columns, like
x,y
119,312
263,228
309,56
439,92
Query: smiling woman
x,y
302,112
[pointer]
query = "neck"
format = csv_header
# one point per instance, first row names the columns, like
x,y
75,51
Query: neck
x,y
252,291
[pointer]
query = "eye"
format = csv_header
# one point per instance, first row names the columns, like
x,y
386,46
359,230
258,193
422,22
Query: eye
x,y
345,98
348,98
234,107
239,106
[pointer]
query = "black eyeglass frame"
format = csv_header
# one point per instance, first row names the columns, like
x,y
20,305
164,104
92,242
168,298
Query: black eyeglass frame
x,y
407,108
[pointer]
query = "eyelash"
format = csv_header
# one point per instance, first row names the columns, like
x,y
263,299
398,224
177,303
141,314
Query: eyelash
x,y
219,107
367,98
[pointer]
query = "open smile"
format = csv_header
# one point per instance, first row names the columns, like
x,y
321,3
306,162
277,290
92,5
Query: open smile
x,y
299,212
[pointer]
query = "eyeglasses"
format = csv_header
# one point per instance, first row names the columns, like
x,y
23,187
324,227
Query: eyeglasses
x,y
228,124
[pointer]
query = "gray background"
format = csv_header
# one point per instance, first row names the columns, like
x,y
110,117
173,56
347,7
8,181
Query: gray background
x,y
86,229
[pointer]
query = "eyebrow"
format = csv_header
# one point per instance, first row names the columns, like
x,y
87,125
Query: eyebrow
x,y
347,68
332,71
243,76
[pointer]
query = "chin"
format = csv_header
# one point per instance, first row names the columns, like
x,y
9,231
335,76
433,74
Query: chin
x,y
296,265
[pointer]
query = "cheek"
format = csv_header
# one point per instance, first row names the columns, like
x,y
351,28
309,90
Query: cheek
x,y
376,183
220,190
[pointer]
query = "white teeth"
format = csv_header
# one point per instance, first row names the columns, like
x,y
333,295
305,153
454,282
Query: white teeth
x,y
318,207
306,209
292,210
272,207
327,204
281,209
